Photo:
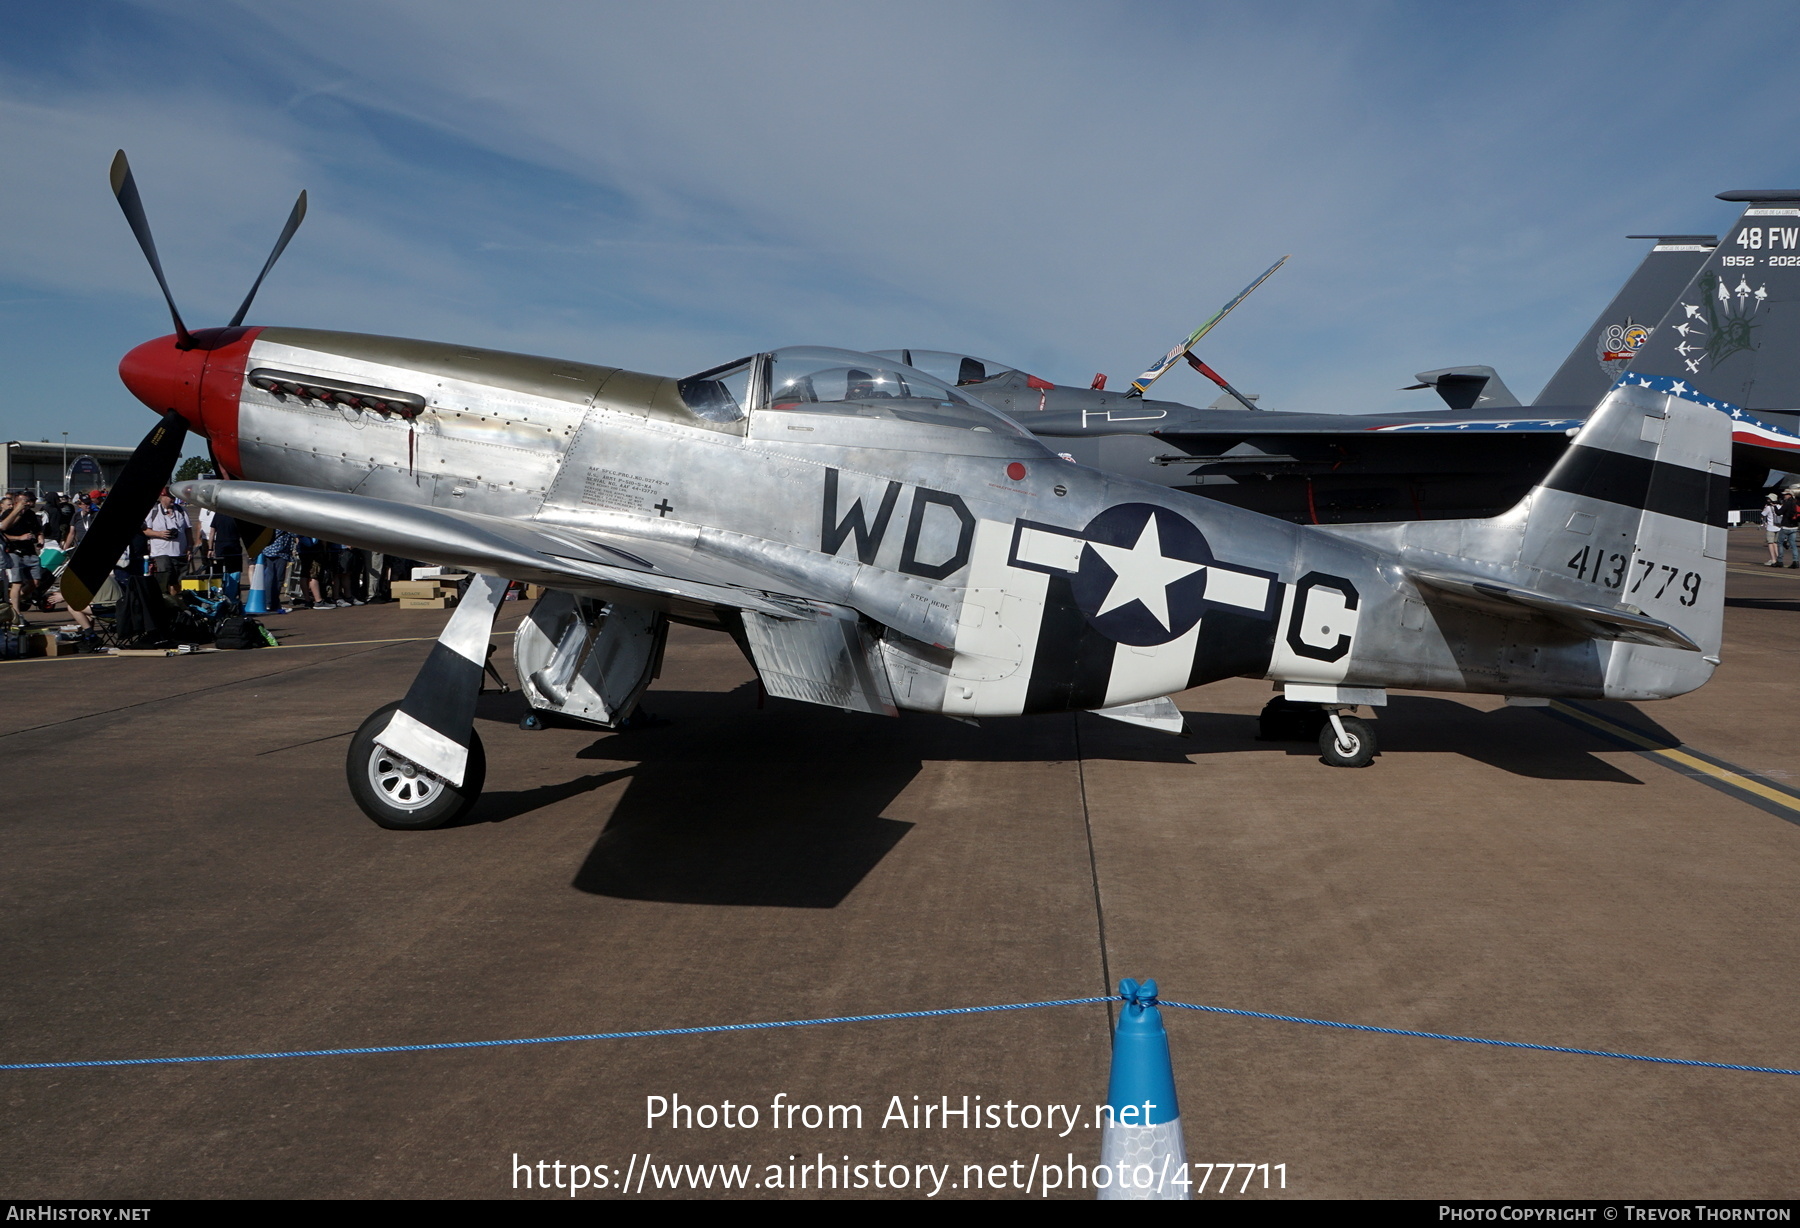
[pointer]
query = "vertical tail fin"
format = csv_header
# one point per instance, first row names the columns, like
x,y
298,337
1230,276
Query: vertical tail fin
x,y
1615,338
1732,333
1634,513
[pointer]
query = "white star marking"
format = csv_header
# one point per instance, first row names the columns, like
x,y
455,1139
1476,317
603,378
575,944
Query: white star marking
x,y
1142,574
1678,388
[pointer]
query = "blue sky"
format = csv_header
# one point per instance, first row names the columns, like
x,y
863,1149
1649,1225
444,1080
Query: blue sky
x,y
1065,187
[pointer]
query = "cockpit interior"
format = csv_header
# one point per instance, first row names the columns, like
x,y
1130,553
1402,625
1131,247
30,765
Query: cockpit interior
x,y
844,383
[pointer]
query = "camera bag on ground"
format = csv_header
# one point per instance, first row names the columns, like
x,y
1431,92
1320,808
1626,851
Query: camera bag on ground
x,y
239,631
141,618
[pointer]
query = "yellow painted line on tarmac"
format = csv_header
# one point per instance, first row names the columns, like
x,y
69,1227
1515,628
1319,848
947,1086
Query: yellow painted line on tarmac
x,y
113,656
402,639
1686,760
73,656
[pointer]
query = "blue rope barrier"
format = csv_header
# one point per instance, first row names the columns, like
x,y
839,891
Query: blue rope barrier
x,y
557,1040
1478,1040
948,1011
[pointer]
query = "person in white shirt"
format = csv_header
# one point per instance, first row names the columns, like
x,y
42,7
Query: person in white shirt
x,y
203,539
167,527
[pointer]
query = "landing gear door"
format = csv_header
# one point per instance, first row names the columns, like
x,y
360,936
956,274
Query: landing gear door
x,y
588,660
828,659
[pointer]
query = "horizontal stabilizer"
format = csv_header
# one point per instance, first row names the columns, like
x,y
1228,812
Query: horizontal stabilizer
x,y
1468,388
1615,622
1159,714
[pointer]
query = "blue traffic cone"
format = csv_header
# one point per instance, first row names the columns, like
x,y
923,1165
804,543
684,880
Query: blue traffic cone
x,y
1142,1148
258,600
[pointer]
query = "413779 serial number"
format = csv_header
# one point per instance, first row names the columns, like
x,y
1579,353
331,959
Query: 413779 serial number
x,y
1612,570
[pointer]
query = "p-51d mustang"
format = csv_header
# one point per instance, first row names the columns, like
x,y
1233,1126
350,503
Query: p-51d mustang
x,y
875,540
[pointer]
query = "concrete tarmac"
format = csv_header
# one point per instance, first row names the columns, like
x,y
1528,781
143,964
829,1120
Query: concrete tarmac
x,y
182,872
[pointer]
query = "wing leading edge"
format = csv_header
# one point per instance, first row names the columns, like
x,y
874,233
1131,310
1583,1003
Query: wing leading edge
x,y
519,551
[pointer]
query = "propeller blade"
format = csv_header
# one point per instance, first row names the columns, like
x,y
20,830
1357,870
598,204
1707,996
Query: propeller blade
x,y
287,232
122,515
125,188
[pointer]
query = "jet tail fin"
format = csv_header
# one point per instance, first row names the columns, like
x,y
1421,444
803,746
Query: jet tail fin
x,y
1615,337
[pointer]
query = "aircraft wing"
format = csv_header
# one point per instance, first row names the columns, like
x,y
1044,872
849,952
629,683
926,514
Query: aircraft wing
x,y
518,550
1606,622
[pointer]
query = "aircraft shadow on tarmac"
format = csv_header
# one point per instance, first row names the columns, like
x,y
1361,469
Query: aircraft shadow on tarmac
x,y
1520,741
778,807
784,806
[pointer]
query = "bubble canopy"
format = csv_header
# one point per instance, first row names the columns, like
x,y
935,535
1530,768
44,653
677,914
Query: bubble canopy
x,y
958,369
815,379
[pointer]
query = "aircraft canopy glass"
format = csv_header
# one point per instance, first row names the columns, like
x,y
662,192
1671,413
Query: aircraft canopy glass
x,y
954,369
808,379
721,394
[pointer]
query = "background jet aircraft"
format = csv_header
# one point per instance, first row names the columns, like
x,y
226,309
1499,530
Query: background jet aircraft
x,y
1609,345
1476,457
876,540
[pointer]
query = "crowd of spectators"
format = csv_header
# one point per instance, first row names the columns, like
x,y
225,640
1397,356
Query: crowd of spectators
x,y
26,528
300,573
1781,524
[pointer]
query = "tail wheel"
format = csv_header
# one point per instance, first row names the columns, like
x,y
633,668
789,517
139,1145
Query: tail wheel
x,y
1354,748
400,795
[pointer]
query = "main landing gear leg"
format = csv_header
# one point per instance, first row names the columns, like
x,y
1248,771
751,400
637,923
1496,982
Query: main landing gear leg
x,y
419,764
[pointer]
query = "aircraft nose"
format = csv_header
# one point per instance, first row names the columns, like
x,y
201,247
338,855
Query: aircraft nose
x,y
165,377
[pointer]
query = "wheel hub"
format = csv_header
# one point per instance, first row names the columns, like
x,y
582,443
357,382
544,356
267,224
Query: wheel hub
x,y
401,783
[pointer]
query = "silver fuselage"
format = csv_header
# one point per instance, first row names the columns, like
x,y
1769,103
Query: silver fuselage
x,y
975,552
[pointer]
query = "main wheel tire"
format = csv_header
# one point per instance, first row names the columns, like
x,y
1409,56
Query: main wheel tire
x,y
1358,748
398,794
